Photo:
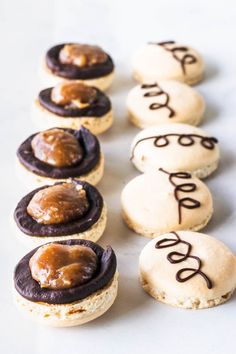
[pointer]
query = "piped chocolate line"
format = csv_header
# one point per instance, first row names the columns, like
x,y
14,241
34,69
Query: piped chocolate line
x,y
178,257
183,140
187,59
186,202
158,92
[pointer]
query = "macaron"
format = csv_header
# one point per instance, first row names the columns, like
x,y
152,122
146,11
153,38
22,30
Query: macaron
x,y
65,210
67,283
73,105
167,60
158,202
164,101
57,154
80,62
188,269
175,147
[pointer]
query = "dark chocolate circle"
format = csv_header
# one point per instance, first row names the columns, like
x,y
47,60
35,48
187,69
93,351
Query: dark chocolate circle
x,y
185,140
98,108
31,227
186,187
30,289
208,143
91,149
161,141
73,72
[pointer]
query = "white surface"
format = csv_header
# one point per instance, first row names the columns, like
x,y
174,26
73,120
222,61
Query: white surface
x,y
136,323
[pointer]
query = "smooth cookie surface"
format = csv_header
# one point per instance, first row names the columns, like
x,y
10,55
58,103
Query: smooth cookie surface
x,y
175,147
164,101
159,202
167,60
179,268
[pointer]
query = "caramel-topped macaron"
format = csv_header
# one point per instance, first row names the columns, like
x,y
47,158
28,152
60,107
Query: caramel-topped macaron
x,y
85,63
66,283
72,105
188,269
167,60
72,210
57,154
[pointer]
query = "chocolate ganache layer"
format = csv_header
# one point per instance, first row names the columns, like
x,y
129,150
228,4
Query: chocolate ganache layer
x,y
91,156
73,72
97,108
32,228
30,289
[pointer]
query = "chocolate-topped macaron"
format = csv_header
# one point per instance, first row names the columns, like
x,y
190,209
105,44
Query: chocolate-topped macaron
x,y
66,283
85,63
162,201
188,269
167,60
72,105
164,101
57,154
65,210
175,147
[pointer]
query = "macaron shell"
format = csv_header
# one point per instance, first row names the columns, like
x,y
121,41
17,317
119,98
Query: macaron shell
x,y
154,62
186,103
150,208
217,262
174,157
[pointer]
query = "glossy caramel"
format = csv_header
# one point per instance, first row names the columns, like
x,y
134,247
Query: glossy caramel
x,y
66,92
57,266
57,147
60,203
82,55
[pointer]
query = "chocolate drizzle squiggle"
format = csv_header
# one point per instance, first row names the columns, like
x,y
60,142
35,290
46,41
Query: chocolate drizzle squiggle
x,y
186,202
178,257
187,59
183,140
158,92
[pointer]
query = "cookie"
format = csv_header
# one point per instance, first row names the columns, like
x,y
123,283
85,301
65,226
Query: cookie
x,y
175,147
162,201
57,154
72,105
66,210
164,101
168,60
84,63
188,269
80,284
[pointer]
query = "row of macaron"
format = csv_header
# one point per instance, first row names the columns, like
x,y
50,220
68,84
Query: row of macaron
x,y
74,213
169,202
70,279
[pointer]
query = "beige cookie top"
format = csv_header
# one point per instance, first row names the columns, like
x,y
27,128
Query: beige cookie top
x,y
164,101
175,147
167,60
212,274
159,202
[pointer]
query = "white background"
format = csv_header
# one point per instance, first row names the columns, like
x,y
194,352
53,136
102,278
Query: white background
x,y
136,323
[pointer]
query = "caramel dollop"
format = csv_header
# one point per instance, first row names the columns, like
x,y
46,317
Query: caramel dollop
x,y
77,93
57,147
82,55
58,266
58,204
